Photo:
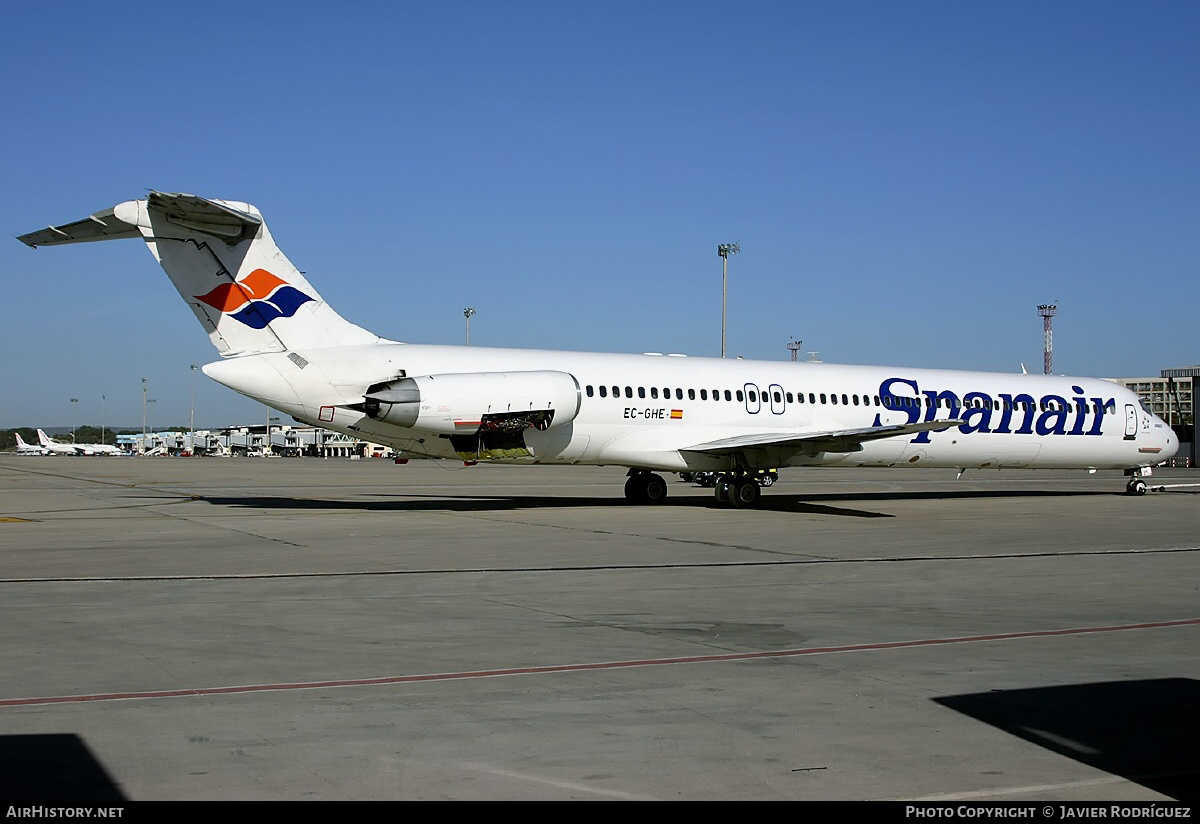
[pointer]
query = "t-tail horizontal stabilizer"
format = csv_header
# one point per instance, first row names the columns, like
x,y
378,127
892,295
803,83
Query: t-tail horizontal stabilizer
x,y
225,264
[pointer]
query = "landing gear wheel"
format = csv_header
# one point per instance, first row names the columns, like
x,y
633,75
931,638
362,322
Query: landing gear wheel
x,y
1136,486
654,490
744,493
633,488
645,488
721,490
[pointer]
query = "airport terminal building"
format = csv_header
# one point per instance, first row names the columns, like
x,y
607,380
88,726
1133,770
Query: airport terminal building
x,y
254,441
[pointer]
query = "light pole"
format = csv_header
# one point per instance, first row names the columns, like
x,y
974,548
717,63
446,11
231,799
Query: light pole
x,y
145,389
268,448
73,408
470,310
192,414
724,250
148,401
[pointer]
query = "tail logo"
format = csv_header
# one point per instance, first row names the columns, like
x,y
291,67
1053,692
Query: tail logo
x,y
256,299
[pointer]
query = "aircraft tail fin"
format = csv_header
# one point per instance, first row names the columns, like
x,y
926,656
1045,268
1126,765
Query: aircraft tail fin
x,y
43,439
225,264
20,441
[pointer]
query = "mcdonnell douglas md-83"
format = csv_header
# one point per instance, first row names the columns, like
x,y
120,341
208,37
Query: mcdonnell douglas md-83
x,y
282,345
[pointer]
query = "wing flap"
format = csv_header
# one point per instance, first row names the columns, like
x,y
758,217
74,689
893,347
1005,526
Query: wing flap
x,y
838,440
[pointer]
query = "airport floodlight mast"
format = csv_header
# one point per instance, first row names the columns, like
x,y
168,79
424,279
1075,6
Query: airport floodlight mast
x,y
192,410
724,250
74,406
794,346
1047,311
470,310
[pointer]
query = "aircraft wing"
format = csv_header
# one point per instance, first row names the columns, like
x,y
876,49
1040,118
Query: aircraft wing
x,y
837,440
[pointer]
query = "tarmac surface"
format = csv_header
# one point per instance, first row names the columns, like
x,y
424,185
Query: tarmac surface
x,y
321,629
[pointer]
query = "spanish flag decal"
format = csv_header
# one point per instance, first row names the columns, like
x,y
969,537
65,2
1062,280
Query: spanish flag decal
x,y
676,414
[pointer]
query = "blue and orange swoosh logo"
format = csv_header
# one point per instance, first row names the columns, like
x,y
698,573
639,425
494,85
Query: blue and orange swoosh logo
x,y
256,299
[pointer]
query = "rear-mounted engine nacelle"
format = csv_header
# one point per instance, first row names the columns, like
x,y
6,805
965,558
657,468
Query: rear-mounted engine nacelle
x,y
463,403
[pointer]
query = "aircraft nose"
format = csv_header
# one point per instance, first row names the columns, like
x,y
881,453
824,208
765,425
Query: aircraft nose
x,y
1170,442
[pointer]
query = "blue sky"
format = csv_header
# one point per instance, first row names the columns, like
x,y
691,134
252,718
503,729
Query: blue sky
x,y
907,180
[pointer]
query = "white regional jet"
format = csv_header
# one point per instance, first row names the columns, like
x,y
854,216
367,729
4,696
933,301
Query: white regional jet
x,y
58,448
282,345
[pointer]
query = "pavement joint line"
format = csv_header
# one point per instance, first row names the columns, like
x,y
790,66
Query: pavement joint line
x,y
806,561
584,667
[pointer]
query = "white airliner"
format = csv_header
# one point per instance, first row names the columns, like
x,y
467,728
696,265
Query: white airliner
x,y
282,345
27,449
50,447
58,448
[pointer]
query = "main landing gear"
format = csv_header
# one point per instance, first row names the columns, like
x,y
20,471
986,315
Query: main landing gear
x,y
739,490
644,487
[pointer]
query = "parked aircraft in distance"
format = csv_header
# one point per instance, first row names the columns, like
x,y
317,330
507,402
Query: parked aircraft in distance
x,y
76,448
284,346
51,447
27,449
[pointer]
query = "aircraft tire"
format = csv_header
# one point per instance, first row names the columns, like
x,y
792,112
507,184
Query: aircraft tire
x,y
721,490
645,488
1136,487
635,488
744,493
654,489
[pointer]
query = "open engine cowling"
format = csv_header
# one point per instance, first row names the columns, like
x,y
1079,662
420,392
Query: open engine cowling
x,y
464,403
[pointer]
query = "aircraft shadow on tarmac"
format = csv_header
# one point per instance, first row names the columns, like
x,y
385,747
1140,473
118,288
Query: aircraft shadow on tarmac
x,y
1144,731
821,503
55,768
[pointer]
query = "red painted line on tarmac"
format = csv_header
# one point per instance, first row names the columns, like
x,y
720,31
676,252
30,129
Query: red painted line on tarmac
x,y
644,662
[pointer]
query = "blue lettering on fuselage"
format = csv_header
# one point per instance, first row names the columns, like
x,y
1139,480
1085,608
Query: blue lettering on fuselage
x,y
1020,414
